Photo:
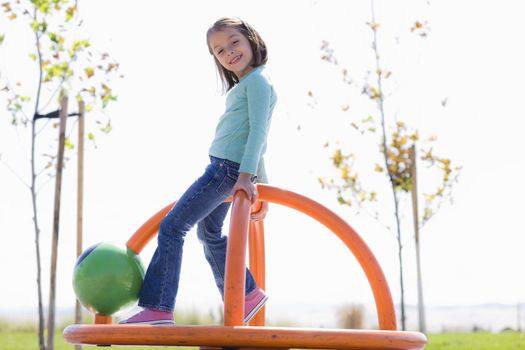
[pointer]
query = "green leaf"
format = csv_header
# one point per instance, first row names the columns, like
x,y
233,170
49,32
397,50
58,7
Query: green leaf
x,y
43,5
91,137
107,98
32,56
370,119
68,144
35,25
53,37
2,38
106,129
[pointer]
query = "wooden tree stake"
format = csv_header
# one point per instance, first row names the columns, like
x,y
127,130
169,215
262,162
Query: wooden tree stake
x,y
80,199
421,305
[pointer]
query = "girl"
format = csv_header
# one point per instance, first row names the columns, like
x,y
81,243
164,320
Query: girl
x,y
236,163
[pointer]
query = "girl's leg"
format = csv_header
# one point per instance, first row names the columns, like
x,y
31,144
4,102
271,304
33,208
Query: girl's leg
x,y
209,231
203,196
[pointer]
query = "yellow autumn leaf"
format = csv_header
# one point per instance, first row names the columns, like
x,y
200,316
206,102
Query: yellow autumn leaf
x,y
378,168
106,88
344,172
89,72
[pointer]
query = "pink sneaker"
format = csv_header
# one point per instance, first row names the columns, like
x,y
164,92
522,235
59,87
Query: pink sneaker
x,y
150,316
253,302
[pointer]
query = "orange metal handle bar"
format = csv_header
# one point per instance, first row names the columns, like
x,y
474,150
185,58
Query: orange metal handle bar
x,y
239,218
235,276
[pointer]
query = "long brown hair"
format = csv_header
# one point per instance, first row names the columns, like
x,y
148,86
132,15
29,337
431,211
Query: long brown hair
x,y
260,54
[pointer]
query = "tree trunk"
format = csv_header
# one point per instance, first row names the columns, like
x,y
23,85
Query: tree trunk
x,y
400,257
384,146
41,325
56,224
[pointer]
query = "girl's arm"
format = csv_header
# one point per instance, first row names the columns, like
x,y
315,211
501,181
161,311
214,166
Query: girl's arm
x,y
259,97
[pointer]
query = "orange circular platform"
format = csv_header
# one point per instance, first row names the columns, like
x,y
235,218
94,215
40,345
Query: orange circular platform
x,y
253,337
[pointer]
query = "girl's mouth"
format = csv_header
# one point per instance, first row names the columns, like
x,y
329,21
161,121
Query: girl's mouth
x,y
236,59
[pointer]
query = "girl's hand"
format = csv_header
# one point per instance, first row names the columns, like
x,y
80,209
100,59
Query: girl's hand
x,y
261,213
245,184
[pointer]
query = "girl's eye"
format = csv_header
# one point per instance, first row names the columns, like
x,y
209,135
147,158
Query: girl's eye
x,y
219,52
235,42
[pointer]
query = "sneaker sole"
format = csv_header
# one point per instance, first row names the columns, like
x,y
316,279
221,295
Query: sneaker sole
x,y
155,322
255,310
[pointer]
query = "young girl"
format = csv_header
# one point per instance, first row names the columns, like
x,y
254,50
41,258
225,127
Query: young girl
x,y
236,163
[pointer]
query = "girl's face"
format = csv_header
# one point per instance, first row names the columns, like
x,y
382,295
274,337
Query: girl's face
x,y
232,50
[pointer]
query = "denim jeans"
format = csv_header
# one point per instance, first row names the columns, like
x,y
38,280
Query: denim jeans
x,y
202,204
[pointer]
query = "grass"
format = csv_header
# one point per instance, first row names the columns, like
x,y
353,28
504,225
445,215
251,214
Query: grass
x,y
477,341
27,340
24,340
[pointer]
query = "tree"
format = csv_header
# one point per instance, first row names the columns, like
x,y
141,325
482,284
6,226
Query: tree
x,y
65,65
395,140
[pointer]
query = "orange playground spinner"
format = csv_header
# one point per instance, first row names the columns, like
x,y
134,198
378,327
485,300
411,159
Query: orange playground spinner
x,y
233,333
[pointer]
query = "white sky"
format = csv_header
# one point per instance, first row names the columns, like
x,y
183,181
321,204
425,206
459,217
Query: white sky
x,y
166,114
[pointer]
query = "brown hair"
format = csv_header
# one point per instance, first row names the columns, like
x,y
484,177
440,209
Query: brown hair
x,y
260,55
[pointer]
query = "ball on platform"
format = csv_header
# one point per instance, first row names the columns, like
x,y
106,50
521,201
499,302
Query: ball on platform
x,y
107,278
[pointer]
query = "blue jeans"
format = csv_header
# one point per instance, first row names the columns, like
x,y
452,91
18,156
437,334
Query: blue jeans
x,y
202,204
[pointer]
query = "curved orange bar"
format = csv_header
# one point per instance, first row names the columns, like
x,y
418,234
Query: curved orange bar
x,y
384,304
368,262
148,230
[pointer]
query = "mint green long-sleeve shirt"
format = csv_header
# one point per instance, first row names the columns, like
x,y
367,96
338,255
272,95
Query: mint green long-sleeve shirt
x,y
242,130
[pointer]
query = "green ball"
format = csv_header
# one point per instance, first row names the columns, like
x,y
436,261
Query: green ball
x,y
107,278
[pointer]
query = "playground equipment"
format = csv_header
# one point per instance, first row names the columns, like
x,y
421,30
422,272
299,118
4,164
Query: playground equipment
x,y
233,333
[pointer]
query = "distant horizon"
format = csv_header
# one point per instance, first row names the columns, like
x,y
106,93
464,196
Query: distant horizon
x,y
493,317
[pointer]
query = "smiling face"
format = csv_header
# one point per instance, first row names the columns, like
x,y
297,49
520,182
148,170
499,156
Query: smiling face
x,y
232,50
